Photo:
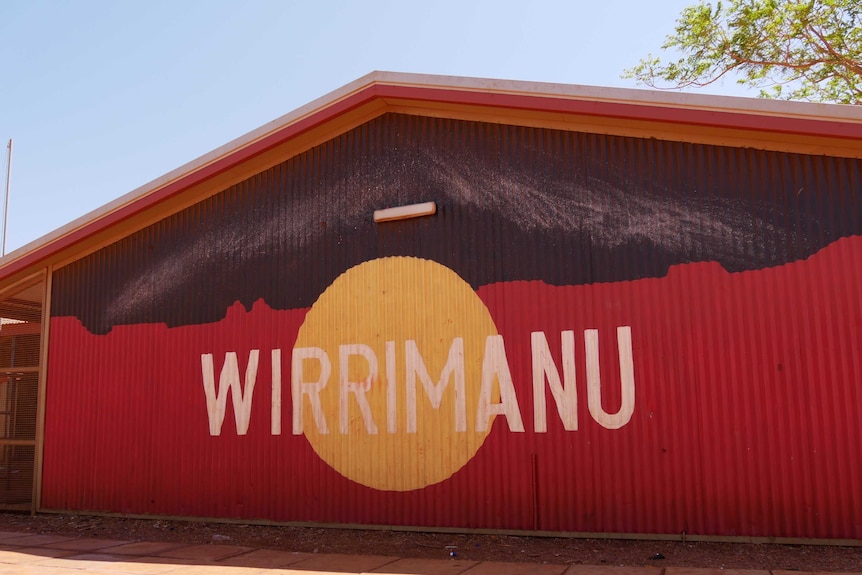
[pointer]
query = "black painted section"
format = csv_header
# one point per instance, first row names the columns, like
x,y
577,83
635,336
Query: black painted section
x,y
513,204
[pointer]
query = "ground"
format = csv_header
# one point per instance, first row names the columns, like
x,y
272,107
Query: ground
x,y
440,545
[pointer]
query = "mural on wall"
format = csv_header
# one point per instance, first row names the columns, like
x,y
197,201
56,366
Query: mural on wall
x,y
593,333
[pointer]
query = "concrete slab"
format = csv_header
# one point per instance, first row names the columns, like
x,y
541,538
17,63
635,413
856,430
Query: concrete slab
x,y
83,562
611,570
297,571
126,565
36,570
31,555
145,548
780,572
204,552
696,571
426,567
336,563
10,534
83,544
35,540
267,558
218,570
500,568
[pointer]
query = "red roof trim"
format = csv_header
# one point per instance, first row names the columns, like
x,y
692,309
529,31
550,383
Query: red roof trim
x,y
178,186
632,111
541,103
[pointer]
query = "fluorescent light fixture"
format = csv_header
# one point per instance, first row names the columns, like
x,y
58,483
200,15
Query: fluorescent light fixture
x,y
405,212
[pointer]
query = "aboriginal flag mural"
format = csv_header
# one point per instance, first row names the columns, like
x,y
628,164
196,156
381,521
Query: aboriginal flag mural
x,y
592,334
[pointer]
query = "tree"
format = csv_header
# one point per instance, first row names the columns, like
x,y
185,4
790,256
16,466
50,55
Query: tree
x,y
789,49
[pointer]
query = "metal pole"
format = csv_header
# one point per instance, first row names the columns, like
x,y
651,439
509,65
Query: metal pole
x,y
6,208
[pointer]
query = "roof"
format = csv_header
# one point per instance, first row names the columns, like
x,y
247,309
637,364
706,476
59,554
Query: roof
x,y
789,126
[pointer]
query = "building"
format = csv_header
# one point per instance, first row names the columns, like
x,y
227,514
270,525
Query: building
x,y
457,303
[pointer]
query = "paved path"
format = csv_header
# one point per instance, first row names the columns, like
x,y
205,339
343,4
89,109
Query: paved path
x,y
25,554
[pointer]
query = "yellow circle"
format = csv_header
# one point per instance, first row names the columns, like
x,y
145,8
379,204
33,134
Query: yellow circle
x,y
413,318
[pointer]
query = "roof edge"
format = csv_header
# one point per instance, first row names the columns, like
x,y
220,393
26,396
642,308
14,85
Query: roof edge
x,y
671,107
231,147
632,96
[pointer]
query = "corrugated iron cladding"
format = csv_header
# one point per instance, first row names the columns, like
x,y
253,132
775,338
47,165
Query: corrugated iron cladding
x,y
734,269
598,209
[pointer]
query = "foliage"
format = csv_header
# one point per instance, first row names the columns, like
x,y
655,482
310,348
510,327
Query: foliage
x,y
790,49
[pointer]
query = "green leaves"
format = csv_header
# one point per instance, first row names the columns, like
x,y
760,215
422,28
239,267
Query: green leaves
x,y
788,49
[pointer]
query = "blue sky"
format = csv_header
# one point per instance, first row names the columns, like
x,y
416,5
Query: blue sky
x,y
100,97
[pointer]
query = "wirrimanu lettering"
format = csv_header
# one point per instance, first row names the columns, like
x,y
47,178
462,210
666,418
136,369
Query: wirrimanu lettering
x,y
311,371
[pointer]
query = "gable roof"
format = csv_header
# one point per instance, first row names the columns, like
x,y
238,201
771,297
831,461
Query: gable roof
x,y
788,126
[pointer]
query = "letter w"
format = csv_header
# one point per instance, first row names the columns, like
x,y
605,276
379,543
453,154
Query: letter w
x,y
229,378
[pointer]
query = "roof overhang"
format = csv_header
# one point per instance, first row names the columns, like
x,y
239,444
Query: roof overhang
x,y
743,122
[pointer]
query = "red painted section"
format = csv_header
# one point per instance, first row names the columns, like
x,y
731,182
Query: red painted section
x,y
746,419
545,103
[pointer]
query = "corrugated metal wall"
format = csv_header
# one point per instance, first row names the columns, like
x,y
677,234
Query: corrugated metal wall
x,y
732,411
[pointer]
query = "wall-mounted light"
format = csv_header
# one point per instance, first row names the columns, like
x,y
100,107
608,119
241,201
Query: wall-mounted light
x,y
405,212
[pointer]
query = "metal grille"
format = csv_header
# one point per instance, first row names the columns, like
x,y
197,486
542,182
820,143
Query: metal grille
x,y
20,343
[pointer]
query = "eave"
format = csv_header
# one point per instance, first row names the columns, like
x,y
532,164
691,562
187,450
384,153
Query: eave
x,y
742,122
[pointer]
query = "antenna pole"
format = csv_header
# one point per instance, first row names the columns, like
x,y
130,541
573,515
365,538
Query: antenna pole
x,y
6,208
